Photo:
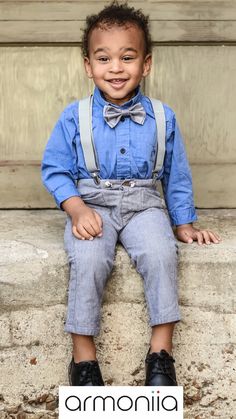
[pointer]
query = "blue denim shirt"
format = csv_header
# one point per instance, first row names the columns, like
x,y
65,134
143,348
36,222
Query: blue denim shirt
x,y
124,152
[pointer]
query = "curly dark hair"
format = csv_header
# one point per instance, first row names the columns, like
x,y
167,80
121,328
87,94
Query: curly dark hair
x,y
117,14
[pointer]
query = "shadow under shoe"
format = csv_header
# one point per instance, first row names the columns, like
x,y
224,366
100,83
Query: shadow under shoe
x,y
85,373
160,370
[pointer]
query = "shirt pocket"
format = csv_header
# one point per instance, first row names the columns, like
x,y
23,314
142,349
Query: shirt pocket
x,y
144,164
144,154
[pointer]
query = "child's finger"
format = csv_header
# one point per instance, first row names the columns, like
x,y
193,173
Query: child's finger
x,y
76,234
188,238
83,232
99,222
90,228
214,237
96,224
184,237
199,237
206,236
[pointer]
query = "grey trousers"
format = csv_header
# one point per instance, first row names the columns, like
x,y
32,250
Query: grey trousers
x,y
134,214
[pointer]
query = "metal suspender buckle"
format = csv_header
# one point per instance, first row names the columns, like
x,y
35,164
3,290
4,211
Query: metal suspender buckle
x,y
155,176
96,178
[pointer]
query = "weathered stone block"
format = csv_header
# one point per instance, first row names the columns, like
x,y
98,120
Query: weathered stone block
x,y
34,326
35,351
5,331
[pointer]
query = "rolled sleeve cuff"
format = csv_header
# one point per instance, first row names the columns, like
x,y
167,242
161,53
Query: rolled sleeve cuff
x,y
183,216
64,192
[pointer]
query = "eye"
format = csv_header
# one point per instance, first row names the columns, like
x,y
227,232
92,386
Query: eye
x,y
128,58
103,59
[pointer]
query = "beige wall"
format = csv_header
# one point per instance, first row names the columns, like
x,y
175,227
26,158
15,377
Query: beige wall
x,y
41,71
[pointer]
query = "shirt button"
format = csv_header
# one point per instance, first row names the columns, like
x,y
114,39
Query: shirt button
x,y
122,118
122,150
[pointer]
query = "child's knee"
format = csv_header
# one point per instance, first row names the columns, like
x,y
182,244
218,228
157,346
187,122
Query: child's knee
x,y
160,254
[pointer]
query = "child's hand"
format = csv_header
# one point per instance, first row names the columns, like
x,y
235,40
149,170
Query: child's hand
x,y
187,234
86,224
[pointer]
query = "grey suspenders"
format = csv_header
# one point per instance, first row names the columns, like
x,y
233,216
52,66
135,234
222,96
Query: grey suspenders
x,y
161,134
87,142
86,135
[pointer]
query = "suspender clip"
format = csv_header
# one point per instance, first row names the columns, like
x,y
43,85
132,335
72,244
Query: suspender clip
x,y
96,178
155,176
155,173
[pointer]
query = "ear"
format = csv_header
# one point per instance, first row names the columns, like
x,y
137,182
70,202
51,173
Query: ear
x,y
147,65
88,68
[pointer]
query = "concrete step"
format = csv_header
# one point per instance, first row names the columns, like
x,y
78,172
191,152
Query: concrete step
x,y
34,350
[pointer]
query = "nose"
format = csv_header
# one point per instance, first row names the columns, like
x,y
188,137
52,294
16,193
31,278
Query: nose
x,y
116,66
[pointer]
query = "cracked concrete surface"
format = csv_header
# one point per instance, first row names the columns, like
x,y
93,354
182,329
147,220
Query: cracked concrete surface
x,y
34,350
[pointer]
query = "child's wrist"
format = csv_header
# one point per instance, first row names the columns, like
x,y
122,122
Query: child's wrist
x,y
73,205
180,226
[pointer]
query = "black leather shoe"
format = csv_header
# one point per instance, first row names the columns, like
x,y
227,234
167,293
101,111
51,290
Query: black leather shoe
x,y
160,370
85,373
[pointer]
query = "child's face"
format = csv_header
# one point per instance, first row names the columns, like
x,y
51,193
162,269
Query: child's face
x,y
117,62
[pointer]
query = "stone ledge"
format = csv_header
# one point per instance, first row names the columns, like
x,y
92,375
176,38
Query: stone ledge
x,y
34,264
34,280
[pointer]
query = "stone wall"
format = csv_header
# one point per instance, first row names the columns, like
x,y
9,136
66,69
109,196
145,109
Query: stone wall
x,y
35,351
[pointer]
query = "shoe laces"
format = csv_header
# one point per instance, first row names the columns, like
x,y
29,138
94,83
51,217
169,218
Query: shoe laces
x,y
90,373
162,364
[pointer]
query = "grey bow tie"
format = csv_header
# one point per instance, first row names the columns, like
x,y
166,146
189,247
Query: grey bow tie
x,y
113,115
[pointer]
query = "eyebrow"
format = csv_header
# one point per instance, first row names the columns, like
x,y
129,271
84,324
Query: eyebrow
x,y
107,49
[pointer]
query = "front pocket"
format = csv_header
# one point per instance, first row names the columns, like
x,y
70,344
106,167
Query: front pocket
x,y
152,199
93,198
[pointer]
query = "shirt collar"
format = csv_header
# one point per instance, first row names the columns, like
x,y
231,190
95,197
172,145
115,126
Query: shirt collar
x,y
100,100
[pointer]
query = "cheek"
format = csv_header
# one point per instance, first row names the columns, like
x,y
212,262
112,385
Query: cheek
x,y
138,69
138,72
97,72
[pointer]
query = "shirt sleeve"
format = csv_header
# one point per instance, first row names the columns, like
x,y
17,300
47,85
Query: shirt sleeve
x,y
59,168
177,178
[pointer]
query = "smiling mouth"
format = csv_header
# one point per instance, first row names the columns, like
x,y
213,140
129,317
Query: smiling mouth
x,y
117,81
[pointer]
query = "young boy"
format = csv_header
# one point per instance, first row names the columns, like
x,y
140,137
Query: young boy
x,y
120,202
